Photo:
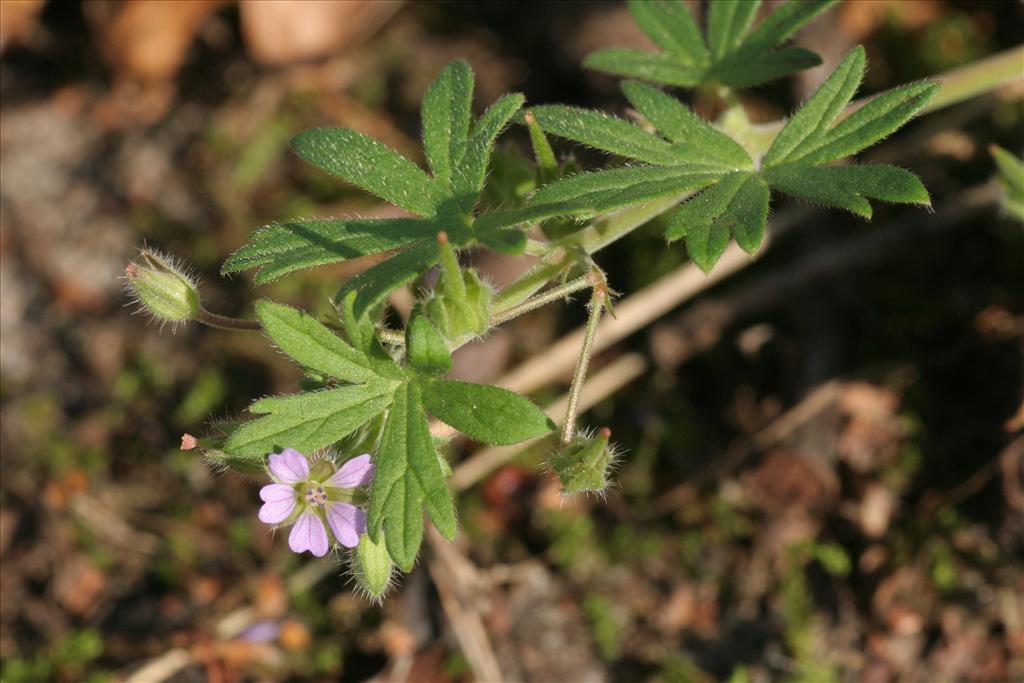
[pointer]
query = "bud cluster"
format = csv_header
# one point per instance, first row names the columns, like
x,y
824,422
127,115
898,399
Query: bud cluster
x,y
460,305
586,463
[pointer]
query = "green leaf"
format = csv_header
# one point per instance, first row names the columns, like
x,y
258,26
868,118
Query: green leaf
x,y
446,115
1011,177
309,421
373,285
486,413
738,204
470,174
368,164
505,241
738,57
728,21
605,133
408,476
311,344
492,222
282,248
589,194
697,141
425,348
849,187
811,121
875,121
672,28
782,23
362,335
740,71
649,66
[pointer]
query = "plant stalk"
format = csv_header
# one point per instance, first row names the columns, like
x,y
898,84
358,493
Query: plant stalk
x,y
553,294
223,322
596,306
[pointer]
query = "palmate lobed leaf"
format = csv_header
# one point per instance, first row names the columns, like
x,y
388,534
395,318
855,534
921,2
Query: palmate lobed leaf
x,y
810,136
849,187
472,169
728,22
588,194
446,116
282,248
737,205
694,139
373,285
457,151
672,28
407,479
369,165
648,66
606,133
734,55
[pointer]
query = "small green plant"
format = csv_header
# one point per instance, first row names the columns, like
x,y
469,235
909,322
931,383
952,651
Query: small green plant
x,y
365,403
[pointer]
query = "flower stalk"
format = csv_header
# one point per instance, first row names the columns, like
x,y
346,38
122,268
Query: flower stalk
x,y
598,302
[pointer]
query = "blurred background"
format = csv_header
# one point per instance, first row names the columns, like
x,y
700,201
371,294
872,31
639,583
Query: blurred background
x,y
823,468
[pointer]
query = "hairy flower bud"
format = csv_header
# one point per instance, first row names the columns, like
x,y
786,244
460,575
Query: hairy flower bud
x,y
461,302
162,287
586,463
372,567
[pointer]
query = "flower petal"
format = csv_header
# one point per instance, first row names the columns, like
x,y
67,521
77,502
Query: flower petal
x,y
347,523
356,472
279,501
289,466
308,534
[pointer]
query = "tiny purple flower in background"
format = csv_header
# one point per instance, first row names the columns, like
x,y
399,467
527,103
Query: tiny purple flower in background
x,y
306,499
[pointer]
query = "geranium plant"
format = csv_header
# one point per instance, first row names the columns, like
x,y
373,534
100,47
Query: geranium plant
x,y
350,456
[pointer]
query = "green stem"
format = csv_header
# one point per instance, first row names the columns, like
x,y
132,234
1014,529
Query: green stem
x,y
977,78
223,322
596,306
553,294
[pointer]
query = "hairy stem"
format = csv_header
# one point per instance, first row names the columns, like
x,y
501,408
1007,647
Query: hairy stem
x,y
223,322
596,306
553,294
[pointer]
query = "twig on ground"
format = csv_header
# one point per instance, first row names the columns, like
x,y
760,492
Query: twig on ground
x,y
455,578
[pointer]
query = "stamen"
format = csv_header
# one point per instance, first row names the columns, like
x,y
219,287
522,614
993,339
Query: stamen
x,y
316,495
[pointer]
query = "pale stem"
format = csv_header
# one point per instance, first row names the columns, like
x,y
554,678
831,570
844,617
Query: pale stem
x,y
597,303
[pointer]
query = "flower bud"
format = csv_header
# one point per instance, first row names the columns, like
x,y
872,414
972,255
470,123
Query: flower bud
x,y
372,567
162,287
586,463
461,302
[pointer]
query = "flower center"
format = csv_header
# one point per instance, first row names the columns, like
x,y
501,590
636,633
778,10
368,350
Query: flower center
x,y
315,495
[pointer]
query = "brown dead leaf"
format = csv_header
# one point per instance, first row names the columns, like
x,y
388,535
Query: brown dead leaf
x,y
876,510
789,480
147,40
279,33
294,636
17,19
78,584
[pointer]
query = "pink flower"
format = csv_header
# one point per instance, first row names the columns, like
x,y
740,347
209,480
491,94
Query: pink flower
x,y
306,499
